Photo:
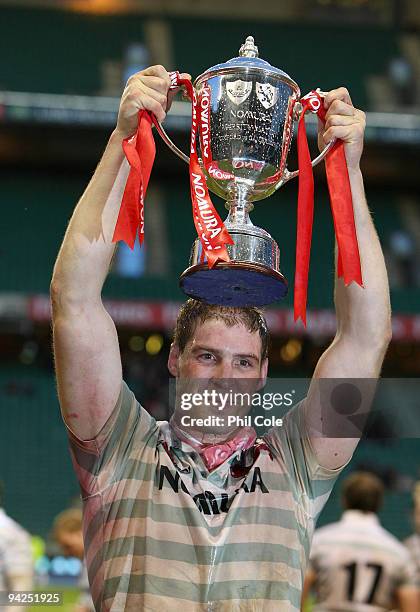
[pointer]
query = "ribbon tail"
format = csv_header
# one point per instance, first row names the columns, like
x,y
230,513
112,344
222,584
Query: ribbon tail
x,y
128,216
348,265
214,257
304,223
140,153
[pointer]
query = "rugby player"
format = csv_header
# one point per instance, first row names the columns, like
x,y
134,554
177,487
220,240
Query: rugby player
x,y
16,562
166,524
68,533
413,541
355,564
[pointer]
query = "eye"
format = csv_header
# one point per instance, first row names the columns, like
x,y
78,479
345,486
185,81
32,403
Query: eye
x,y
244,363
206,356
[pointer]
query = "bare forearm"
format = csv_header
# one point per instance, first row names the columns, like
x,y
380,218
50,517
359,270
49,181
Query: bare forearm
x,y
364,312
85,255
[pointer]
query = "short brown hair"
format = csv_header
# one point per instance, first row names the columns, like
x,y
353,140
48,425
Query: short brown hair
x,y
68,521
194,310
362,491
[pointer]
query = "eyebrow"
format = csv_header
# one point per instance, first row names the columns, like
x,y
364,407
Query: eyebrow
x,y
197,348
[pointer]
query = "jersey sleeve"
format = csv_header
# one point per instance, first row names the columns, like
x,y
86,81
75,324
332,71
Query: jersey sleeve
x,y
97,460
408,574
312,481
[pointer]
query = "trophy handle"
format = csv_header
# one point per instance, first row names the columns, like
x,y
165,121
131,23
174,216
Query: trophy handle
x,y
170,144
287,175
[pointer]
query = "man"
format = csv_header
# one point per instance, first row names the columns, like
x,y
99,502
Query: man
x,y
16,563
355,564
68,533
167,525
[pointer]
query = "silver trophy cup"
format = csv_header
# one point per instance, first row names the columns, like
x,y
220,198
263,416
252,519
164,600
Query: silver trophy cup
x,y
243,155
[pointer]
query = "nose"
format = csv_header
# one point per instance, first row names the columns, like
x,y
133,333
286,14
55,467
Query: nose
x,y
223,370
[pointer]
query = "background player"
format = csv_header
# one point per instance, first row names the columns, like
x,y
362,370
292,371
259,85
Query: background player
x,y
413,542
68,533
355,564
16,563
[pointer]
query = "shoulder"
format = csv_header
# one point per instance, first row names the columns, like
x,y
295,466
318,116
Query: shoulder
x,y
323,534
412,541
6,522
12,532
397,548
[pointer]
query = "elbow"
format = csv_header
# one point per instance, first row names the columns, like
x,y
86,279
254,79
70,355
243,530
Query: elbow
x,y
379,338
65,300
376,344
55,294
59,294
374,331
372,341
388,333
383,332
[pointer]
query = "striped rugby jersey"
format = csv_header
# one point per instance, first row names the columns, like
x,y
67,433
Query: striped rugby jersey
x,y
359,565
162,533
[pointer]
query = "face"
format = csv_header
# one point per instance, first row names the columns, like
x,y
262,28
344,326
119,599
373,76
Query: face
x,y
221,359
71,543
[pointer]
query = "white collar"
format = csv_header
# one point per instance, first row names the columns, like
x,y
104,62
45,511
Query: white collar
x,y
360,517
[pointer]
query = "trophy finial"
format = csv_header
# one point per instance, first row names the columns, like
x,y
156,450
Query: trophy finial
x,y
248,49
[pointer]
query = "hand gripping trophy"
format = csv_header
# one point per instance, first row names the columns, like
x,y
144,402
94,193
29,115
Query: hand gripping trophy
x,y
242,127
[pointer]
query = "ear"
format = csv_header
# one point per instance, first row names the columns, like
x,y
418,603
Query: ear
x,y
263,375
173,359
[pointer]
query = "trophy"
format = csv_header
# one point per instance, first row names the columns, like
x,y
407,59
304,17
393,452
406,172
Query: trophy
x,y
244,124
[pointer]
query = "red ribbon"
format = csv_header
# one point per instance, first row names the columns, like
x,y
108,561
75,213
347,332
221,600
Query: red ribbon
x,y
349,266
140,152
210,228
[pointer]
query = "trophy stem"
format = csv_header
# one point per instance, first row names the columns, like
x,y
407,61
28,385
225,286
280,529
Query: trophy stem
x,y
239,207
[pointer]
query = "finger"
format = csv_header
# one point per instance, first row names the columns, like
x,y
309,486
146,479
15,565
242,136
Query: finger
x,y
137,90
338,107
337,94
157,71
153,93
348,133
340,120
146,101
151,104
157,83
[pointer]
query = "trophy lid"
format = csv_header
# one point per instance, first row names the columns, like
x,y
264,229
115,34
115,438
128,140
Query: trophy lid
x,y
248,59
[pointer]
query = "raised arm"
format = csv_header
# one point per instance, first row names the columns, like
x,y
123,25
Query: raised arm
x,y
86,349
363,314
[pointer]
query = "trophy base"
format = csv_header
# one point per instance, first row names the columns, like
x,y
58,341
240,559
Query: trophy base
x,y
237,284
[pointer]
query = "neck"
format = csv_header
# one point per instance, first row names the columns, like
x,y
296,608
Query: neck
x,y
199,438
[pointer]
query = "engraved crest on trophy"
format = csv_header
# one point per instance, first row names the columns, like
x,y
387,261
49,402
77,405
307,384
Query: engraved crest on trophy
x,y
238,91
266,94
